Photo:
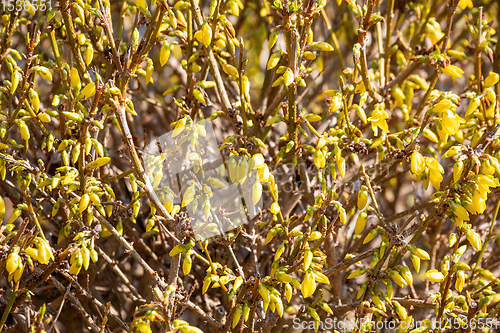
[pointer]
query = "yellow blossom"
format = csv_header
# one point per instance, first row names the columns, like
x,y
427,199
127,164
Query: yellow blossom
x,y
443,105
451,122
433,30
477,205
378,120
435,172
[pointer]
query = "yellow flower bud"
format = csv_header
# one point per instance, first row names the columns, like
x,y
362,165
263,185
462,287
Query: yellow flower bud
x,y
23,128
378,303
279,306
417,163
256,192
15,79
360,222
19,272
416,262
323,46
13,260
397,278
309,55
342,215
231,71
186,264
75,153
321,278
237,316
279,251
421,254
45,118
326,307
246,311
375,259
308,256
270,235
406,274
93,255
164,53
75,79
342,166
273,60
188,195
457,54
44,253
179,248
458,169
84,202
362,290
400,310
389,288
98,162
85,257
288,77
273,37
315,235
45,73
434,275
198,95
15,214
308,286
141,4
288,292
264,293
474,239
430,135
89,54
362,197
356,273
76,266
491,80
453,71
237,283
371,235
460,281
319,159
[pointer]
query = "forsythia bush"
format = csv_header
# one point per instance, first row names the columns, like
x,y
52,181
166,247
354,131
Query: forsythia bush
x,y
372,126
